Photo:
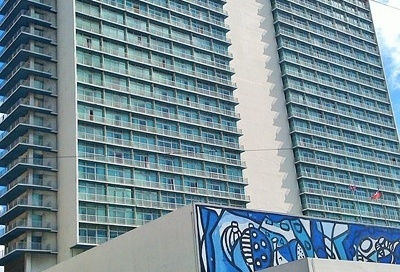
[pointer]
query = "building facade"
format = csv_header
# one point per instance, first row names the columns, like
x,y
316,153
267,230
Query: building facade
x,y
343,132
117,112
325,129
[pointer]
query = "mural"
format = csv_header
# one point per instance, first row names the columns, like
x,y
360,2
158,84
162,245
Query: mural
x,y
244,240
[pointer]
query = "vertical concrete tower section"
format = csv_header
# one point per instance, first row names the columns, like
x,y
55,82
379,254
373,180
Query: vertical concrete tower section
x,y
264,121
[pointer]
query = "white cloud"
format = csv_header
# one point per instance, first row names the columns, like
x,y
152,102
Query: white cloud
x,y
387,21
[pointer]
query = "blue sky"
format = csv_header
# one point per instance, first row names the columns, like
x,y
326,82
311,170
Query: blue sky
x,y
387,26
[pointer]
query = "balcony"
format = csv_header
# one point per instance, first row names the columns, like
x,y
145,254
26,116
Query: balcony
x,y
354,212
21,72
349,196
345,139
15,229
344,166
13,20
92,240
21,108
339,124
292,86
19,206
21,184
161,167
23,69
9,5
26,34
21,90
162,149
99,219
14,251
12,57
160,186
21,144
164,115
22,125
16,167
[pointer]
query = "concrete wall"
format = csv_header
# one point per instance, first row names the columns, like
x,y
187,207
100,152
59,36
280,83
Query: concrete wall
x,y
166,244
67,131
269,158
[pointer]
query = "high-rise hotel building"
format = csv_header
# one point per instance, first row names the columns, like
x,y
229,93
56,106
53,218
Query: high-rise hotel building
x,y
116,112
319,131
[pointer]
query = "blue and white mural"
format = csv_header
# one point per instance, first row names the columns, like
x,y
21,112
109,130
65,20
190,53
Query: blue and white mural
x,y
244,240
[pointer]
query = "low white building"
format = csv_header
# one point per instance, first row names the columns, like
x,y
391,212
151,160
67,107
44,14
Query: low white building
x,y
217,239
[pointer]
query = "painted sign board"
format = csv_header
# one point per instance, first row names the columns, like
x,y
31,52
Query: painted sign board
x,y
242,240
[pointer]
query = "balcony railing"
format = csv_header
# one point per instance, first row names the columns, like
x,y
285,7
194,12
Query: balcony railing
x,y
161,149
160,167
28,246
151,129
161,114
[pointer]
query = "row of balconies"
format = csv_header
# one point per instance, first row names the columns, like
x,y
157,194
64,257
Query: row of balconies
x,y
20,107
338,111
324,11
160,64
342,75
18,166
161,167
157,113
24,70
311,41
339,125
41,52
201,31
355,141
344,166
24,203
182,102
23,18
148,31
162,49
167,82
159,131
329,23
160,149
164,115
158,186
102,219
8,5
16,228
350,102
25,247
22,124
348,196
177,9
346,181
138,182
357,155
367,45
355,76
316,78
21,88
352,212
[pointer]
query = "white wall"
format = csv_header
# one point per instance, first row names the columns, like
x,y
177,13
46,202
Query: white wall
x,y
67,130
270,165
